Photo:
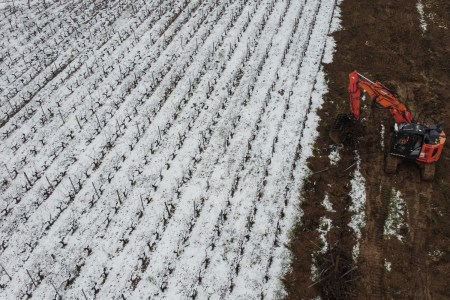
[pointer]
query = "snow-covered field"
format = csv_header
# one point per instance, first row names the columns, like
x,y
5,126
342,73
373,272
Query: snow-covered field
x,y
155,148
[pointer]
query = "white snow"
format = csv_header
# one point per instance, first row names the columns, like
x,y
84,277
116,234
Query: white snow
x,y
387,265
397,216
327,204
423,23
358,195
334,155
382,137
156,149
324,228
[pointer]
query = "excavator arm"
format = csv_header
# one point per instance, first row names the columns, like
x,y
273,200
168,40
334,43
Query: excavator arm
x,y
379,94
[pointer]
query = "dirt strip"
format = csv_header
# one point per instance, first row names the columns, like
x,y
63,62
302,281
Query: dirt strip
x,y
383,40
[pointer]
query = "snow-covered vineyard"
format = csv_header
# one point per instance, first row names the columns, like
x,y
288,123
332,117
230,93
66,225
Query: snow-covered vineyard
x,y
155,148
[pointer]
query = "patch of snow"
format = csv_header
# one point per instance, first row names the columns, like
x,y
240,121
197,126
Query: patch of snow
x,y
331,44
387,265
396,219
382,136
423,23
327,204
358,195
334,155
314,269
324,228
435,254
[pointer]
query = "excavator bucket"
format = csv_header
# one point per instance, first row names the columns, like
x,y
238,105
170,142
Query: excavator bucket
x,y
340,129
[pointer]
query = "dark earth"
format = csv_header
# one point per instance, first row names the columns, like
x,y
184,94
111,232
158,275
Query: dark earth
x,y
384,41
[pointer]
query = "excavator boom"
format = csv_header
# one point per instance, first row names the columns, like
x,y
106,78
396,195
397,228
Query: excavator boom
x,y
379,94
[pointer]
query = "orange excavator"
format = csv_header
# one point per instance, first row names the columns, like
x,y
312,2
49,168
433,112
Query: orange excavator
x,y
410,140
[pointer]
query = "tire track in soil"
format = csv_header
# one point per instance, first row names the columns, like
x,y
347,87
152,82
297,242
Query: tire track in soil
x,y
419,201
371,252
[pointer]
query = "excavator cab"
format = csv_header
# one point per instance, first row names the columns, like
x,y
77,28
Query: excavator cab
x,y
407,146
418,142
407,140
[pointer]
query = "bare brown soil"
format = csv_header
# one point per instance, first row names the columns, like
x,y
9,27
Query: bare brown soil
x,y
383,40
